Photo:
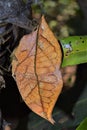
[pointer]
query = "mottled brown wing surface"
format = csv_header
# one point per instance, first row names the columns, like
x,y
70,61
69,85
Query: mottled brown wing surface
x,y
36,69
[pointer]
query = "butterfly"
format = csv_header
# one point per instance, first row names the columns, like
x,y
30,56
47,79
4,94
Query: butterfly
x,y
36,69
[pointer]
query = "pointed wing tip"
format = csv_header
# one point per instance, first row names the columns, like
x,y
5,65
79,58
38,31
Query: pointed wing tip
x,y
52,121
43,18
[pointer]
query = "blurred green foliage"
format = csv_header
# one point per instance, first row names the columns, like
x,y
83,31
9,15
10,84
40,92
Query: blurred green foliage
x,y
64,16
83,125
74,50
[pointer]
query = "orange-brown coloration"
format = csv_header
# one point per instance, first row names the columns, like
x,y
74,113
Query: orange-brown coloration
x,y
36,70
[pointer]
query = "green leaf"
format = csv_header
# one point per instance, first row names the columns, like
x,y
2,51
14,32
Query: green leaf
x,y
83,125
74,49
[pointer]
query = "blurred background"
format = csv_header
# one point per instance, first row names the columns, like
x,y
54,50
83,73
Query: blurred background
x,y
65,18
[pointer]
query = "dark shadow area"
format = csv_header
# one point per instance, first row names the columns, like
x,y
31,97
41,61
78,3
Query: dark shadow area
x,y
11,104
77,24
68,98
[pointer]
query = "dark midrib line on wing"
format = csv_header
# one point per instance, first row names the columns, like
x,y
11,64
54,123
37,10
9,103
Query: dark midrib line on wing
x,y
35,60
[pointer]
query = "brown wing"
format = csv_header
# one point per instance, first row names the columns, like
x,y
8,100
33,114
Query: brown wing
x,y
36,70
